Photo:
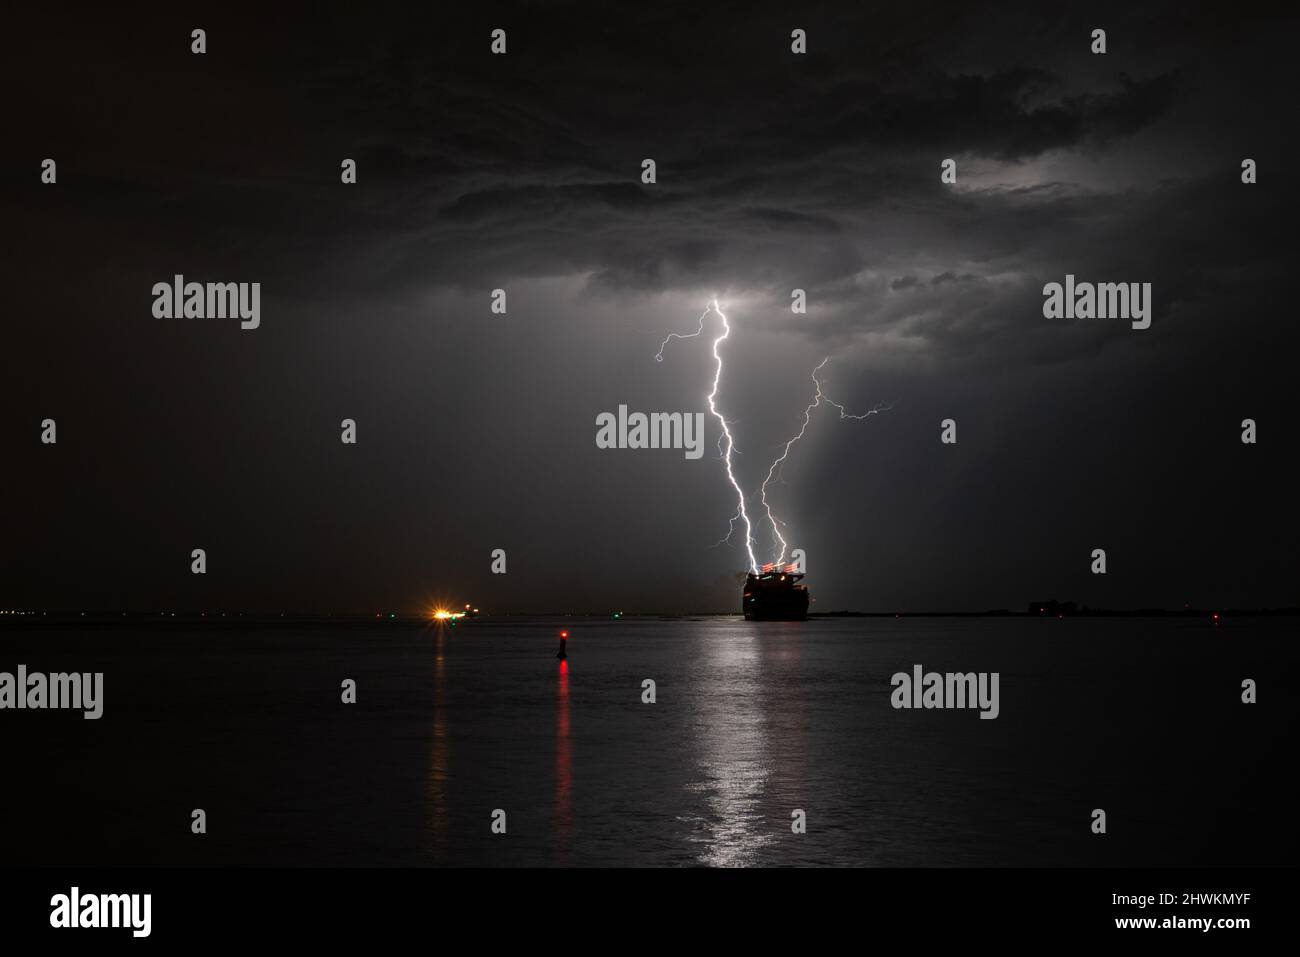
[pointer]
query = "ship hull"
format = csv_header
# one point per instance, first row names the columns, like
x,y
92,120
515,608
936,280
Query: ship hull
x,y
788,604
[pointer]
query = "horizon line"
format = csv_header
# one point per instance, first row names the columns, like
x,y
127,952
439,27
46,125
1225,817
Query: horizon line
x,y
27,615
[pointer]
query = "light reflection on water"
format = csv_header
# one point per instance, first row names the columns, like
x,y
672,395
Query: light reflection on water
x,y
438,766
744,746
563,767
732,758
752,721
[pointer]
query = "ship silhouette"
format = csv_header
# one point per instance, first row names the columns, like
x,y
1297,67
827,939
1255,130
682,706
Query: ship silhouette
x,y
773,593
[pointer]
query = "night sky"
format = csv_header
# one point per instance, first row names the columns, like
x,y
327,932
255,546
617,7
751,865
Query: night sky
x,y
775,171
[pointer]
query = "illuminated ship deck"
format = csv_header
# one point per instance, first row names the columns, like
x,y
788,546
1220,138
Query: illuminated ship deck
x,y
774,594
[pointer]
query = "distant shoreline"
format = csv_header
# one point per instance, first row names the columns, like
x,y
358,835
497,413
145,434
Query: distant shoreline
x,y
228,618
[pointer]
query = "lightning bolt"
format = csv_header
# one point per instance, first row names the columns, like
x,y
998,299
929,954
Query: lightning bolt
x,y
675,335
726,442
730,442
774,471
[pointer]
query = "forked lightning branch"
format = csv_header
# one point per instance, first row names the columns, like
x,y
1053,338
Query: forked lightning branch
x,y
727,446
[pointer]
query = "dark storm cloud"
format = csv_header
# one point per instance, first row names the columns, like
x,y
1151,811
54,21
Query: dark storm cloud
x,y
547,147
779,179
795,222
786,185
527,203
770,175
987,115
